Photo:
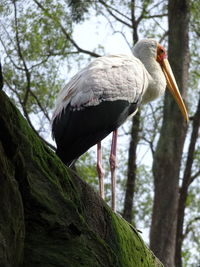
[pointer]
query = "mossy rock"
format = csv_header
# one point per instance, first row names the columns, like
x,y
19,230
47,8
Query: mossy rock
x,y
49,216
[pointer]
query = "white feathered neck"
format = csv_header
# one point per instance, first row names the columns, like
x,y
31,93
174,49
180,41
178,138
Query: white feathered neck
x,y
146,50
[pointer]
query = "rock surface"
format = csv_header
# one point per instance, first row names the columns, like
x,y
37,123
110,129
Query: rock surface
x,y
49,216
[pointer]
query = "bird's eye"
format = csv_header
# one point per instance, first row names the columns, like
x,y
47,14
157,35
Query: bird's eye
x,y
162,51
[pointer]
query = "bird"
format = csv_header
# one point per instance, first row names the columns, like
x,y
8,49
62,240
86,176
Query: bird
x,y
103,95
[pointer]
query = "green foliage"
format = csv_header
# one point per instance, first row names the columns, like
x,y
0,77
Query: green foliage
x,y
143,197
191,242
86,168
79,8
195,23
35,44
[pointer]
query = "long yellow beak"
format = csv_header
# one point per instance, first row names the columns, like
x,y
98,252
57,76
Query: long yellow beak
x,y
172,86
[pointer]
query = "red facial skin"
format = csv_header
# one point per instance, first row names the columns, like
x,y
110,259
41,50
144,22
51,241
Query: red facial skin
x,y
161,54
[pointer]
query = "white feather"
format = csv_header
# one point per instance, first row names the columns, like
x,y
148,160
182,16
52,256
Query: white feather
x,y
115,77
145,50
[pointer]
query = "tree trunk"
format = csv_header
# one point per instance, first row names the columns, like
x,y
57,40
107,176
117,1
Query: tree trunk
x,y
167,158
49,216
132,166
1,78
185,186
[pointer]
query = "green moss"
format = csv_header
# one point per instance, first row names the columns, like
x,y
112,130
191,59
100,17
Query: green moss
x,y
132,250
12,227
64,221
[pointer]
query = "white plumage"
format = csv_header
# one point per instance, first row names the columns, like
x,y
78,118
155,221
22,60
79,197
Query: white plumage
x,y
100,97
115,77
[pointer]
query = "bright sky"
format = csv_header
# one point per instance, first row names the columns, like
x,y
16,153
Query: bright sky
x,y
96,32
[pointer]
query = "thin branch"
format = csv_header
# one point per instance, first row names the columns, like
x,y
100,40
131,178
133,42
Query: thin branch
x,y
156,16
193,177
27,116
8,35
188,227
33,128
193,26
28,75
1,78
40,105
10,58
143,12
124,131
165,34
114,9
124,36
52,53
159,25
114,31
40,63
154,7
150,143
156,121
134,23
67,35
190,157
113,15
109,7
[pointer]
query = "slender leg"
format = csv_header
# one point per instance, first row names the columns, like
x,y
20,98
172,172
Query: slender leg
x,y
100,170
113,168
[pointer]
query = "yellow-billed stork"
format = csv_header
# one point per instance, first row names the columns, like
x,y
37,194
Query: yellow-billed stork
x,y
100,97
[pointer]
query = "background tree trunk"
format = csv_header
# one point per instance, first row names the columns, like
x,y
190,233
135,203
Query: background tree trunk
x,y
1,78
132,168
167,158
134,140
187,180
49,216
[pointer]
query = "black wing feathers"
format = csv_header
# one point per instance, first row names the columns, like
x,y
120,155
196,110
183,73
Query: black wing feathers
x,y
76,131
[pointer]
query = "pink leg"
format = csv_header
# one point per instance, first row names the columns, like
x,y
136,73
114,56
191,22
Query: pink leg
x,y
113,167
100,170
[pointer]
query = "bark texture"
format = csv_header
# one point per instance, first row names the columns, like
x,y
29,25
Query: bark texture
x,y
49,216
187,180
167,159
134,140
132,169
1,78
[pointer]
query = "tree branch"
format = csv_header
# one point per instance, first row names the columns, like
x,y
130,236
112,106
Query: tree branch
x,y
20,54
134,23
154,7
33,128
27,115
193,177
67,35
40,105
1,78
165,34
191,150
10,58
109,8
188,227
114,9
120,32
156,16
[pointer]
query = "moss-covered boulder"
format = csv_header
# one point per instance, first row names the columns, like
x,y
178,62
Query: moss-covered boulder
x,y
49,216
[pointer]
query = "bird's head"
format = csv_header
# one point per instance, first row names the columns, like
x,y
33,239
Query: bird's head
x,y
161,57
151,49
